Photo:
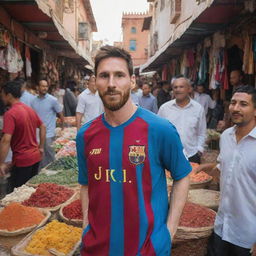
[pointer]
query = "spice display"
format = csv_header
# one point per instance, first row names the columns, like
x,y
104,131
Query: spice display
x,y
199,177
49,195
17,216
69,177
55,235
64,163
59,143
68,150
73,210
195,216
18,195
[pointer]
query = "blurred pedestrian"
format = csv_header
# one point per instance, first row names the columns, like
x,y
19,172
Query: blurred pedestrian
x,y
188,117
47,107
89,104
147,100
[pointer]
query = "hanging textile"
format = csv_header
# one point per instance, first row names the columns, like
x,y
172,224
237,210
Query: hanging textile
x,y
3,63
203,69
164,72
248,59
28,62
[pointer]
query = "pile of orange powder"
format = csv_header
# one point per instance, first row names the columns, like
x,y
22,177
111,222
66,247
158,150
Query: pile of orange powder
x,y
16,216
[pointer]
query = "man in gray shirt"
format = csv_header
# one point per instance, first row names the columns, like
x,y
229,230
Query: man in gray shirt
x,y
47,107
147,100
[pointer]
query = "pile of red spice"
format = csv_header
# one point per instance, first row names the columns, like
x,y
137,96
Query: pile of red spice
x,y
199,177
196,216
16,216
49,195
73,210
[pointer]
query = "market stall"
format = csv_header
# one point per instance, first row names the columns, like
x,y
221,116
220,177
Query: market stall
x,y
53,197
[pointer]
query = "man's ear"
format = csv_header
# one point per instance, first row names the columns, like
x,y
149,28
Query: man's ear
x,y
133,82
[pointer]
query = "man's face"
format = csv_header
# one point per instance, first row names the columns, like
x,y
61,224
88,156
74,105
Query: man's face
x,y
199,88
91,83
146,89
114,82
43,87
242,109
235,78
181,89
5,98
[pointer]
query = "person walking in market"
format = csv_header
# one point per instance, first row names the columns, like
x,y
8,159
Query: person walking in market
x,y
47,107
234,229
188,117
89,104
147,100
122,157
20,124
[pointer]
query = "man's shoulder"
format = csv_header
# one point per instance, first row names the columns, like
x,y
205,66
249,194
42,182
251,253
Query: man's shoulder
x,y
167,104
92,124
154,121
196,105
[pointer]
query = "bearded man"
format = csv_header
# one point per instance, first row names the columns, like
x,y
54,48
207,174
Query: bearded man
x,y
122,157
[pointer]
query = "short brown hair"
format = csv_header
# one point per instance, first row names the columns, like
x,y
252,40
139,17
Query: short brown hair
x,y
108,51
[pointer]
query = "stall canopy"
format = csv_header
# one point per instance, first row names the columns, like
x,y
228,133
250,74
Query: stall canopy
x,y
38,18
220,14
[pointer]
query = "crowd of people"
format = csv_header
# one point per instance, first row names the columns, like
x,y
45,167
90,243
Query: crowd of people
x,y
129,133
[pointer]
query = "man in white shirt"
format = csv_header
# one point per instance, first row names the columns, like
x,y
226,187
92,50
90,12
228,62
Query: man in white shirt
x,y
235,224
89,104
188,117
204,99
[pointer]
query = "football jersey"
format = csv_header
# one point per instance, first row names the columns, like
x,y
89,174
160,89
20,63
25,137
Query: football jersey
x,y
124,168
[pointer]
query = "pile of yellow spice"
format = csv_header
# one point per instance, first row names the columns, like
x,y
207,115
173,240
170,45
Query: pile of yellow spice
x,y
55,235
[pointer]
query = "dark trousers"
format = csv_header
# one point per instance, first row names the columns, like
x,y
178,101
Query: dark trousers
x,y
218,247
195,158
20,175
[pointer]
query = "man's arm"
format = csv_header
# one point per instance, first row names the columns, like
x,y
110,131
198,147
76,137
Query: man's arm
x,y
61,117
85,203
42,135
4,149
79,117
155,107
201,131
177,201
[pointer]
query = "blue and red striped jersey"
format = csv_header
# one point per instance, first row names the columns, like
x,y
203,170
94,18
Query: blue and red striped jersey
x,y
124,168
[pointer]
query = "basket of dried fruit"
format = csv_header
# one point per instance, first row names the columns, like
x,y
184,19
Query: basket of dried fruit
x,y
56,238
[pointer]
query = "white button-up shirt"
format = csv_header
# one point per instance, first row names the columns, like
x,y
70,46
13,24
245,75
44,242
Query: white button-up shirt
x,y
89,104
205,100
236,218
190,123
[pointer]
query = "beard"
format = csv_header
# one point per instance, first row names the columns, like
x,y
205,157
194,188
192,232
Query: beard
x,y
112,104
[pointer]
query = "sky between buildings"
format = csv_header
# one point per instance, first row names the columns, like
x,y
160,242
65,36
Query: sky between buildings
x,y
108,16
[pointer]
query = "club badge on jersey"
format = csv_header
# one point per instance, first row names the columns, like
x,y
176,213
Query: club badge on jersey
x,y
137,154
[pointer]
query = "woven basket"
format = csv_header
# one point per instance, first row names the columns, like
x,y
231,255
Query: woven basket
x,y
75,222
57,207
187,233
205,197
47,215
19,249
201,184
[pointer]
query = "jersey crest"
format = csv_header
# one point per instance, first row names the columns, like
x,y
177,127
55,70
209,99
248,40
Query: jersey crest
x,y
137,154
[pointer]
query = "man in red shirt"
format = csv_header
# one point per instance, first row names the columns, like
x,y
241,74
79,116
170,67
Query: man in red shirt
x,y
19,129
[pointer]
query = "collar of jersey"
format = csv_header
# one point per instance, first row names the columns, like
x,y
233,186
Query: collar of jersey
x,y
121,126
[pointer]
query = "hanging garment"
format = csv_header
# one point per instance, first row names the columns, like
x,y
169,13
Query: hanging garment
x,y
28,62
3,63
164,72
204,66
248,63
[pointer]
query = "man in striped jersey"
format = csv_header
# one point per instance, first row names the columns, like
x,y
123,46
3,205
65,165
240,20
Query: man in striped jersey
x,y
122,157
